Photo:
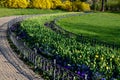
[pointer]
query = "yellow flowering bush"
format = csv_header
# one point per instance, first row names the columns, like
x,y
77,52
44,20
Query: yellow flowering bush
x,y
80,6
56,3
67,5
76,5
42,4
85,6
17,3
47,4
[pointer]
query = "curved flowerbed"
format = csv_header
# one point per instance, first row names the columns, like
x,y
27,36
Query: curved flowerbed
x,y
95,62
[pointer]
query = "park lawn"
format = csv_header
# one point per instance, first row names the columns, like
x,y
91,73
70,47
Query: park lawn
x,y
101,26
10,12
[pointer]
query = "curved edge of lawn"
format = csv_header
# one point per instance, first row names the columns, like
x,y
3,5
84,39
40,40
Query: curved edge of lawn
x,y
85,38
4,12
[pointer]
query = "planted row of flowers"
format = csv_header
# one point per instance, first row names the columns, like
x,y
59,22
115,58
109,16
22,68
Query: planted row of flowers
x,y
97,62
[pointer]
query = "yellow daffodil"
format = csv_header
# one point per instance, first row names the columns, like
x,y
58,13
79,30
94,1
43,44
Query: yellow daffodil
x,y
96,56
107,67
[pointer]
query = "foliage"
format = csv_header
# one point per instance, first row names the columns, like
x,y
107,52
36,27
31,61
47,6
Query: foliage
x,y
42,4
2,3
85,6
66,5
56,3
113,4
47,4
76,5
80,6
103,61
16,3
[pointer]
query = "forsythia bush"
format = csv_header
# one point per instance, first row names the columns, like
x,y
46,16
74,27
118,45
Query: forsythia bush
x,y
56,3
85,6
47,4
80,6
67,5
17,3
76,5
42,4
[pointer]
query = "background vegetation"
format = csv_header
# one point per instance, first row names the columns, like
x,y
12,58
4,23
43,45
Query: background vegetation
x,y
105,5
47,4
69,5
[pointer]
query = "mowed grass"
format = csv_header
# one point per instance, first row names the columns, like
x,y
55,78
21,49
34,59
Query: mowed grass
x,y
10,12
101,26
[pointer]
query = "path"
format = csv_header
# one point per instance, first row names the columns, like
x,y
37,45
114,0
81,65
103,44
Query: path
x,y
11,67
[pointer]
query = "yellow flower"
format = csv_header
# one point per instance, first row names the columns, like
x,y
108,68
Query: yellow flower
x,y
107,67
102,58
110,59
80,56
96,56
112,56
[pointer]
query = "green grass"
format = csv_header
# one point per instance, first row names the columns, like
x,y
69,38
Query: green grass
x,y
10,12
102,26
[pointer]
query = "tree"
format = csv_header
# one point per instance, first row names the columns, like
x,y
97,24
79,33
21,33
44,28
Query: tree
x,y
94,4
104,5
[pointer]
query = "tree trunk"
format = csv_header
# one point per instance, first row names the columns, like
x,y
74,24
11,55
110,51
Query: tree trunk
x,y
106,6
103,5
94,5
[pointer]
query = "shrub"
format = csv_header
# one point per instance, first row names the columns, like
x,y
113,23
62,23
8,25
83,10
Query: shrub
x,y
76,5
17,3
113,4
42,4
67,5
85,6
81,6
47,4
2,3
56,3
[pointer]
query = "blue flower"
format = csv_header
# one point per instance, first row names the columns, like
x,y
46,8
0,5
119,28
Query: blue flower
x,y
103,79
79,73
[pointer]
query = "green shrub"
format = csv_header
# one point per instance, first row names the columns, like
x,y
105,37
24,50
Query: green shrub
x,y
2,3
113,4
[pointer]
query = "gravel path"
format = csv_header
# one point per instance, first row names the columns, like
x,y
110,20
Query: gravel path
x,y
11,67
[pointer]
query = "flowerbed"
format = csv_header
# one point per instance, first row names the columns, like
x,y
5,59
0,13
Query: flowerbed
x,y
95,62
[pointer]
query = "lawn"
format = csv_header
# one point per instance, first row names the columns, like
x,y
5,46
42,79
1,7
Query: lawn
x,y
102,26
10,12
